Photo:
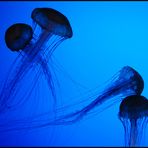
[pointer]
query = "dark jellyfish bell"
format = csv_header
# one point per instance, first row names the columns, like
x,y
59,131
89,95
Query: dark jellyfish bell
x,y
128,73
134,107
18,36
53,21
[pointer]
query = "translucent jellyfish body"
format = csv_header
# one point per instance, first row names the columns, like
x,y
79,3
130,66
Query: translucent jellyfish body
x,y
35,49
125,83
133,114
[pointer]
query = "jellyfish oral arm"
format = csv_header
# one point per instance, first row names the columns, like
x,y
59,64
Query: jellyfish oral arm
x,y
10,87
48,76
107,96
133,141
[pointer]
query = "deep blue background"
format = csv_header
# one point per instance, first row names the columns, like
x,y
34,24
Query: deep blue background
x,y
106,37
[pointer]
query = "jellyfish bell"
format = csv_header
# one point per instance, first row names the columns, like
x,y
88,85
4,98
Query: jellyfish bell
x,y
136,79
133,114
130,76
134,107
55,28
53,21
18,36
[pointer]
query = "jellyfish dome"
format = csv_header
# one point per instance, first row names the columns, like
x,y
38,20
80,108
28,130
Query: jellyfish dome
x,y
134,78
53,21
133,114
18,36
134,107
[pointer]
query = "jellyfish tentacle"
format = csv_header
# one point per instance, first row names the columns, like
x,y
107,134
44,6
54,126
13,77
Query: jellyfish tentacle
x,y
48,76
8,76
54,47
28,93
133,133
11,85
36,49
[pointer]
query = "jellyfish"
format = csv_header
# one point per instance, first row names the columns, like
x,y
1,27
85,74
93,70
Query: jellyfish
x,y
133,114
124,83
35,50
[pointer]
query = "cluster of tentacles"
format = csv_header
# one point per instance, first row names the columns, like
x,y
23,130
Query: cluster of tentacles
x,y
35,46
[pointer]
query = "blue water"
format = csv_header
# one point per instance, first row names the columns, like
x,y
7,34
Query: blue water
x,y
106,37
